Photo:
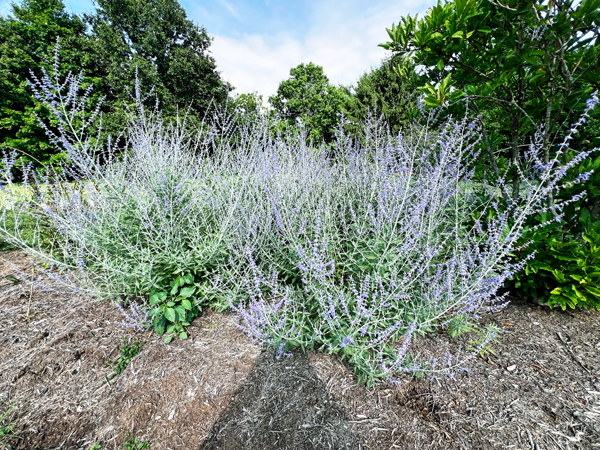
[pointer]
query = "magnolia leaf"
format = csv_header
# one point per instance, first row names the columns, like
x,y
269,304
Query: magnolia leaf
x,y
593,290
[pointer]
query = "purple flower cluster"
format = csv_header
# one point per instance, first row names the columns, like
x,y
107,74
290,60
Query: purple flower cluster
x,y
135,318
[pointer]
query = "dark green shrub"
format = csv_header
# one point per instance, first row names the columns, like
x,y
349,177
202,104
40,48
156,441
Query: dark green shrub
x,y
564,270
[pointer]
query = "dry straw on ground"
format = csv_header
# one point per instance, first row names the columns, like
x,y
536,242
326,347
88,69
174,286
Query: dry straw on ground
x,y
217,390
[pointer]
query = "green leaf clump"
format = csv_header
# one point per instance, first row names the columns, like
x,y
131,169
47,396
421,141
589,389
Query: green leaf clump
x,y
565,271
128,352
173,307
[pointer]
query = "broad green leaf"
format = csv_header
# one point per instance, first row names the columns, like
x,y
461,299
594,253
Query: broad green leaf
x,y
187,291
593,290
159,325
168,339
566,258
183,335
180,311
170,315
186,304
157,297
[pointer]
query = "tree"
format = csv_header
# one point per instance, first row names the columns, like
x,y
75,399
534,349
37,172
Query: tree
x,y
388,90
527,66
27,39
308,95
168,51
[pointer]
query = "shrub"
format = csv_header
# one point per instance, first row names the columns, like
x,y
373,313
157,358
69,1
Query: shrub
x,y
354,256
565,271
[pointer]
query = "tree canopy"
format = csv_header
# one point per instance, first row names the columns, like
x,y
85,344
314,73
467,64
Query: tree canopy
x,y
154,39
309,96
169,52
388,90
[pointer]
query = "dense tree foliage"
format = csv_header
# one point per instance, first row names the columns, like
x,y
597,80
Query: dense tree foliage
x,y
169,52
527,69
388,90
309,96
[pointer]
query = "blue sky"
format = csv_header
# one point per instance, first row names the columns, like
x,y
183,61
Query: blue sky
x,y
257,42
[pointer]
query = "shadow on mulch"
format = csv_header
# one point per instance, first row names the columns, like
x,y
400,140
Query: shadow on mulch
x,y
282,405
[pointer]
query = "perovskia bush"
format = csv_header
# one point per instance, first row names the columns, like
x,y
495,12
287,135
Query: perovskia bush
x,y
353,254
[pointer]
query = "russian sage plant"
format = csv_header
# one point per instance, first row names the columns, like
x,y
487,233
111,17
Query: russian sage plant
x,y
380,244
356,253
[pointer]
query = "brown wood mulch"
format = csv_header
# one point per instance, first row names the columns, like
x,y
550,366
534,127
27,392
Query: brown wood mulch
x,y
218,390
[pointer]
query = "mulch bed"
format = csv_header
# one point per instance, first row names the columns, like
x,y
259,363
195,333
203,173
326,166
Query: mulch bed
x,y
218,390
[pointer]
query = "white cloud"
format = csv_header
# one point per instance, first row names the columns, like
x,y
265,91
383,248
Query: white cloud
x,y
343,38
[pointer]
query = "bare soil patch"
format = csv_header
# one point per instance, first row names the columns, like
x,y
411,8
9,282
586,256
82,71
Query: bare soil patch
x,y
217,390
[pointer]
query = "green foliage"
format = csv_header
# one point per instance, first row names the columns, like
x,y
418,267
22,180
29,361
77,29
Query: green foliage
x,y
96,447
246,105
563,254
173,310
308,95
565,272
387,90
33,232
441,95
26,227
133,444
521,63
485,337
6,428
128,352
168,52
460,325
589,136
